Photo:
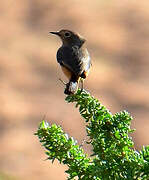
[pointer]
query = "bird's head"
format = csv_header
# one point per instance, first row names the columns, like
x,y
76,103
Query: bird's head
x,y
70,38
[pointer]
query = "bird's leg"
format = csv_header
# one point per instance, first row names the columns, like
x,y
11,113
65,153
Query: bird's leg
x,y
63,82
82,81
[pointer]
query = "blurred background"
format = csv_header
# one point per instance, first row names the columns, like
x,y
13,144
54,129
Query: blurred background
x,y
117,34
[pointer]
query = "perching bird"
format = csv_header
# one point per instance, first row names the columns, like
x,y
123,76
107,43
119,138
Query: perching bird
x,y
73,58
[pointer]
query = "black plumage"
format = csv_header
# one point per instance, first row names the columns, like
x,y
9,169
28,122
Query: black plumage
x,y
73,58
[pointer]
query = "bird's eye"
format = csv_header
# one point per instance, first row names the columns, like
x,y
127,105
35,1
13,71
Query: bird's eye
x,y
67,34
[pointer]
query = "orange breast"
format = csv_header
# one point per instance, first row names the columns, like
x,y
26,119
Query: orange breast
x,y
67,72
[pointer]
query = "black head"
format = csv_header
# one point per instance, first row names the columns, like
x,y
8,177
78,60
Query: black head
x,y
70,37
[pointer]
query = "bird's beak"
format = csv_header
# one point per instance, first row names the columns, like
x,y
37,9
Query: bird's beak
x,y
56,33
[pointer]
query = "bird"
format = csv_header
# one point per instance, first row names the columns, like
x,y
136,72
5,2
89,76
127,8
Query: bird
x,y
73,58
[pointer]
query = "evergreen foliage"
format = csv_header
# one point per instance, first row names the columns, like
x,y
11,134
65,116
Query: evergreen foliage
x,y
114,156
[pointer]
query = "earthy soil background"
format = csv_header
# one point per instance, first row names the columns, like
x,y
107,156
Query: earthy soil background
x,y
117,34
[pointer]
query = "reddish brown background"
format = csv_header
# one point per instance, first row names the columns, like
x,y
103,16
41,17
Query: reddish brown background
x,y
117,34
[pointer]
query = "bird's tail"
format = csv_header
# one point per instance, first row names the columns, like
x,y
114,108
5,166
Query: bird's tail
x,y
71,87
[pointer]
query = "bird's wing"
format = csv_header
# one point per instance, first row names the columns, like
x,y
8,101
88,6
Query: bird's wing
x,y
86,60
72,58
